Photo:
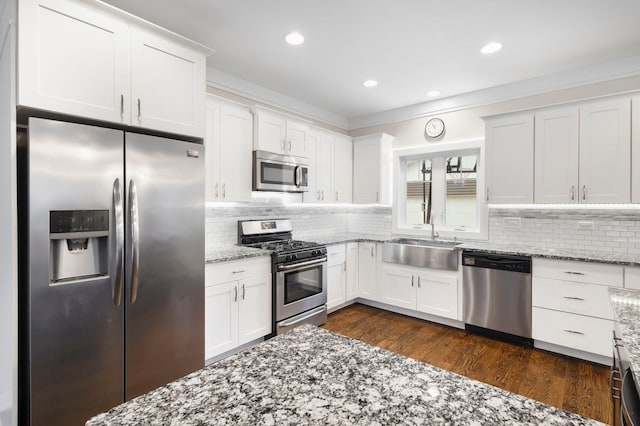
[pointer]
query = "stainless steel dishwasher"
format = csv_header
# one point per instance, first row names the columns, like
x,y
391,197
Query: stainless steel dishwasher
x,y
497,296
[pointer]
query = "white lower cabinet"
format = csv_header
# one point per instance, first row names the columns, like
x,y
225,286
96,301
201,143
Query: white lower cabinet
x,y
425,290
368,261
237,304
336,275
571,306
352,271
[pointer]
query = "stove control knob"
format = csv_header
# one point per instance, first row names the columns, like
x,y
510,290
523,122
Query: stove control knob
x,y
288,257
313,253
293,257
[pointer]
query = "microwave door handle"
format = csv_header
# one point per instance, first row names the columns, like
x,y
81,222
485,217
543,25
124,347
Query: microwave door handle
x,y
298,176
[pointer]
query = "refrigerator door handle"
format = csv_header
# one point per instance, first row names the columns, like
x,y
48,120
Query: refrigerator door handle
x,y
135,239
119,231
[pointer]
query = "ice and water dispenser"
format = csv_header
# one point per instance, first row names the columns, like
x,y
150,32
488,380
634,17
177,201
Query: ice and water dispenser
x,y
79,245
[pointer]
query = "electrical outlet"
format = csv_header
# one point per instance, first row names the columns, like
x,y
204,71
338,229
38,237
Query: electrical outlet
x,y
585,226
512,222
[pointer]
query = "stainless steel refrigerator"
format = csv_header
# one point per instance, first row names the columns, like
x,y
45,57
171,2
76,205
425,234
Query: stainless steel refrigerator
x,y
111,267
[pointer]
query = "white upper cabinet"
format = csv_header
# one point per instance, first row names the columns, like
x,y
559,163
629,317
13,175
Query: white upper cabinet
x,y
605,149
280,134
556,156
635,150
509,154
228,146
312,195
372,164
342,169
324,168
87,59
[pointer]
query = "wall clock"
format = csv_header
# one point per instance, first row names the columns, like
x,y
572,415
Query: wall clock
x,y
434,128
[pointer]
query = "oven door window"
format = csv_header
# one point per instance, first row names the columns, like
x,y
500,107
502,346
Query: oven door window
x,y
279,174
299,285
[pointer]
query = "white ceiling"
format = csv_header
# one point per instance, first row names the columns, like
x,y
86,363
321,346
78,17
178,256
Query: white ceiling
x,y
409,46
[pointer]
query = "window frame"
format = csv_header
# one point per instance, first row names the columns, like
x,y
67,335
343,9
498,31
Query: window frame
x,y
438,154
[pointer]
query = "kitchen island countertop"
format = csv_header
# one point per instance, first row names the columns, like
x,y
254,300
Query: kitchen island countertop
x,y
314,376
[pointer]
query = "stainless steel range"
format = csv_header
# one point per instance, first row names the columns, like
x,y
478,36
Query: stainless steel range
x,y
299,272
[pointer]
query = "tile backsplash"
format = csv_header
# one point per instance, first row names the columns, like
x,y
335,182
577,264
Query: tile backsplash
x,y
605,230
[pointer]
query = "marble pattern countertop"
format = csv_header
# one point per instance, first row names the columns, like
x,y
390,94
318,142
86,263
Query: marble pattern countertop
x,y
348,237
521,250
314,376
626,307
226,253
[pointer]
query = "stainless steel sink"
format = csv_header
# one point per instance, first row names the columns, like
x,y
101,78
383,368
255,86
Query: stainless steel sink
x,y
421,253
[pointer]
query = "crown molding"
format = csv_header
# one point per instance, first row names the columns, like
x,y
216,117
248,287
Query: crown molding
x,y
263,95
627,67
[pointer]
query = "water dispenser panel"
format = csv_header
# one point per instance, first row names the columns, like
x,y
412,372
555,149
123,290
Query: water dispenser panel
x,y
79,243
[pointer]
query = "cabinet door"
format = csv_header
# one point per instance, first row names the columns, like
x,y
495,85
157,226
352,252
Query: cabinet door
x,y
342,172
271,131
509,156
556,156
605,149
212,149
255,308
324,162
398,286
312,195
235,161
167,84
221,318
336,285
297,138
438,294
367,271
352,271
366,171
73,59
635,150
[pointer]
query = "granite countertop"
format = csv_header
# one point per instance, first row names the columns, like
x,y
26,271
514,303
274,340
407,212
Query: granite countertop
x,y
226,253
314,376
626,308
562,254
348,237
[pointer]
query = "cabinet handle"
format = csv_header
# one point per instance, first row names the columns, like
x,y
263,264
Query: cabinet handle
x,y
336,195
139,111
122,107
574,298
377,197
344,266
371,251
323,195
487,195
418,281
289,145
573,273
584,192
411,280
574,332
243,292
318,195
216,190
284,146
235,294
224,191
239,272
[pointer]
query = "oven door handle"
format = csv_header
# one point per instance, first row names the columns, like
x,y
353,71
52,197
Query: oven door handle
x,y
298,320
302,264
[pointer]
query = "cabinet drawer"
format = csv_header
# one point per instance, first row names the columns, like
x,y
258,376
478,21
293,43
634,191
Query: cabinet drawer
x,y
573,331
216,273
632,277
583,272
336,254
568,296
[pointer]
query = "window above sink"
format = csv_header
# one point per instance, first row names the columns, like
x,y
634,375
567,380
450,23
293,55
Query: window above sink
x,y
440,187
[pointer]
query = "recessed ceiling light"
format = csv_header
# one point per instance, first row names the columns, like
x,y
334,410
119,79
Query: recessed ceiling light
x,y
370,83
492,47
433,93
294,38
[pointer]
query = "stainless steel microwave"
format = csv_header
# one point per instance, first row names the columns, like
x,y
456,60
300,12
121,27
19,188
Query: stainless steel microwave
x,y
275,172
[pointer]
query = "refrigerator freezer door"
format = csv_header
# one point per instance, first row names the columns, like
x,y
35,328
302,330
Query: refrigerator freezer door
x,y
165,261
75,330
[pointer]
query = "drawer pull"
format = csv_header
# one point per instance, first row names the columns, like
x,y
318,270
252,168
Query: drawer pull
x,y
573,298
239,272
574,332
573,273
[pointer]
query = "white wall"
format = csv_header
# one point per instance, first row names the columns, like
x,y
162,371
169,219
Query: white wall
x,y
8,255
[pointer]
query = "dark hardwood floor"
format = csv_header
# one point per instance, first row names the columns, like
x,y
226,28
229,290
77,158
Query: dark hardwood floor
x,y
578,386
